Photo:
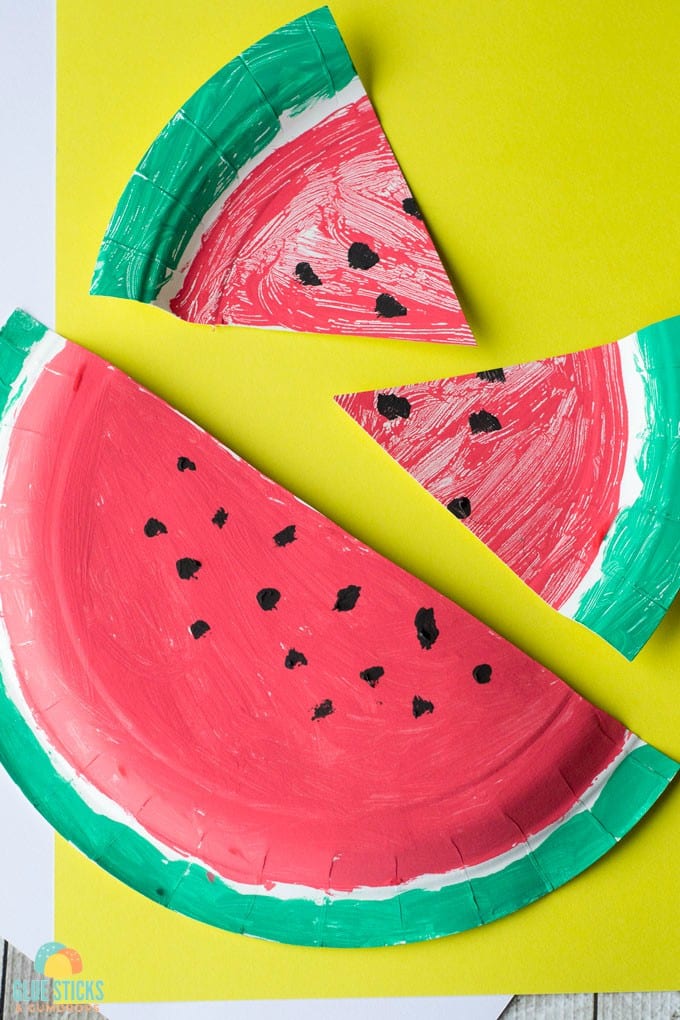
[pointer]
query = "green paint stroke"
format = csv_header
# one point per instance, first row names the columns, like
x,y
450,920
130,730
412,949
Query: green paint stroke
x,y
199,152
640,573
17,337
409,916
406,917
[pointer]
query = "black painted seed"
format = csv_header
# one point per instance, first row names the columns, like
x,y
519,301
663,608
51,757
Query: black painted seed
x,y
199,628
294,658
482,421
324,709
160,891
184,464
347,598
410,206
187,567
492,375
372,675
154,527
220,517
387,307
460,507
285,536
306,275
426,627
391,406
360,256
267,598
421,706
482,674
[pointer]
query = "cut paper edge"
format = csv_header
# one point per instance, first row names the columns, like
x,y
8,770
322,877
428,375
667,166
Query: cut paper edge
x,y
464,899
630,583
149,217
636,577
423,908
274,93
292,127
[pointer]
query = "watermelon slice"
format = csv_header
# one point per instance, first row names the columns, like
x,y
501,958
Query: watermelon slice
x,y
243,712
568,469
272,198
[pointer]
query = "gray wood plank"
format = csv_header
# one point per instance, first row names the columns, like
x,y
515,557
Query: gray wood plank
x,y
4,950
640,1006
550,1007
17,967
604,1006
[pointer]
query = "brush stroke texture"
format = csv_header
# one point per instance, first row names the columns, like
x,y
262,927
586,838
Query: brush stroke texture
x,y
199,152
215,752
544,486
314,201
637,575
272,166
568,469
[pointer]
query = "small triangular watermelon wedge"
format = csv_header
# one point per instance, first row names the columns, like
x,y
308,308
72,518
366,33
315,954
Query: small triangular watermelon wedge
x,y
567,468
246,714
272,198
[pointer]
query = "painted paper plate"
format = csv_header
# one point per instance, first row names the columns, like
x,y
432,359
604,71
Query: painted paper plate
x,y
568,469
250,717
272,198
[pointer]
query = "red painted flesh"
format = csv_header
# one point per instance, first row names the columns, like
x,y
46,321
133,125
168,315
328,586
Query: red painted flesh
x,y
210,743
309,201
544,488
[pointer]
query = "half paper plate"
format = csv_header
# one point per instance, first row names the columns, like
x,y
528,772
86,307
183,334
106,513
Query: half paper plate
x,y
272,198
568,469
249,716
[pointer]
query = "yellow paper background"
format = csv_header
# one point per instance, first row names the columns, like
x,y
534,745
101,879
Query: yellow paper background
x,y
542,142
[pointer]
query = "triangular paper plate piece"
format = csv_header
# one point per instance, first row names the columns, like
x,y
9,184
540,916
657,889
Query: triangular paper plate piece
x,y
272,198
568,469
249,716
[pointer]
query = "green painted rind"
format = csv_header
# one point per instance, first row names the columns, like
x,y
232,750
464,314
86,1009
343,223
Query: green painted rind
x,y
17,337
641,564
199,152
409,916
22,331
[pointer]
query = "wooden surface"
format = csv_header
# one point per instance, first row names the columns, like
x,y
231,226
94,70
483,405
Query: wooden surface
x,y
629,1006
17,967
632,1006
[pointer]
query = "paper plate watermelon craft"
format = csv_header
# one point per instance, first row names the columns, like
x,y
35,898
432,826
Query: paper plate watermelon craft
x,y
568,469
241,711
272,198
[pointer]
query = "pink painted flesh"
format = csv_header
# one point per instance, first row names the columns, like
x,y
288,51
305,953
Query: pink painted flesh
x,y
336,185
544,487
211,742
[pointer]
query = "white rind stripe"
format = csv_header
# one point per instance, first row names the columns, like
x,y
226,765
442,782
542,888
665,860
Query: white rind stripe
x,y
34,363
634,387
37,360
292,126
